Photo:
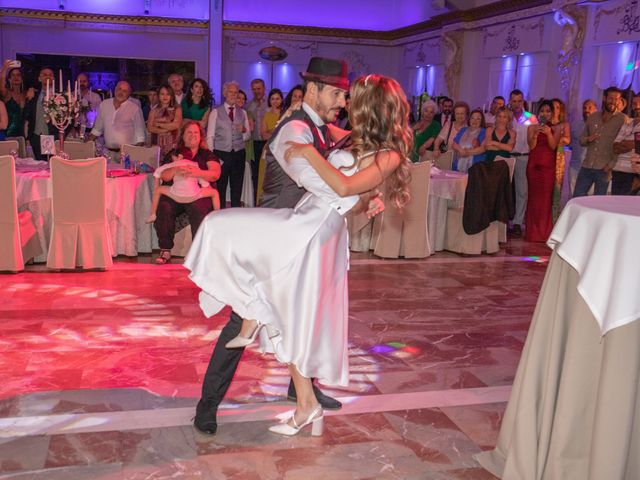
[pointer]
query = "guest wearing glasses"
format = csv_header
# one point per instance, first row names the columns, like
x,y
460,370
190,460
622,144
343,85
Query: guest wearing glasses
x,y
444,140
227,133
191,146
469,143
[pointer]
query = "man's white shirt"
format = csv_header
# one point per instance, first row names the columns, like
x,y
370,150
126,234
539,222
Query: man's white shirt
x,y
300,170
121,126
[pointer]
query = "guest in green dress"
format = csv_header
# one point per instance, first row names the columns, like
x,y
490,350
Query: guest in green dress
x,y
196,104
13,94
500,139
425,131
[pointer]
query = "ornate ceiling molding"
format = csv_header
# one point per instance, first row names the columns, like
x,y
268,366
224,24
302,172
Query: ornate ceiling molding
x,y
472,16
80,18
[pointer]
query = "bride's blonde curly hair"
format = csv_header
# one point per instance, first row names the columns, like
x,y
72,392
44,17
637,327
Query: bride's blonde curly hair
x,y
380,117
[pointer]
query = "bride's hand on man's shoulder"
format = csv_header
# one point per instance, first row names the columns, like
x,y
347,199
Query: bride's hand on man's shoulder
x,y
296,150
375,205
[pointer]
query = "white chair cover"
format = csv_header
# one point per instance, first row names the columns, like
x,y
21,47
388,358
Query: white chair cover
x,y
22,146
78,150
247,186
8,146
404,232
148,155
18,239
80,233
443,162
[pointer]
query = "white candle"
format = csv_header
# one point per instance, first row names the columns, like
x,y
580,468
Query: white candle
x,y
75,91
69,90
47,95
60,76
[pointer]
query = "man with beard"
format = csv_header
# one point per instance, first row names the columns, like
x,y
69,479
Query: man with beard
x,y
598,136
624,146
325,86
490,116
446,114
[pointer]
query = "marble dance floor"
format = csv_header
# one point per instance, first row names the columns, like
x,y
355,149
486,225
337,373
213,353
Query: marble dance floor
x,y
101,372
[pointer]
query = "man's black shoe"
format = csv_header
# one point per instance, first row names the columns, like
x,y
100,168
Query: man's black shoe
x,y
325,401
205,419
517,231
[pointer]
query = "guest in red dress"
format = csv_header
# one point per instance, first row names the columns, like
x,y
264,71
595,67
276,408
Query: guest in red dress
x,y
541,171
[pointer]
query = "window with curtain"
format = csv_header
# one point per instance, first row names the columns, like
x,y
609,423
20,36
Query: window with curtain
x,y
502,74
428,78
525,72
617,65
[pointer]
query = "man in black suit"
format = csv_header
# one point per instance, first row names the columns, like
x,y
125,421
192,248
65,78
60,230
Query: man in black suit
x,y
34,113
447,112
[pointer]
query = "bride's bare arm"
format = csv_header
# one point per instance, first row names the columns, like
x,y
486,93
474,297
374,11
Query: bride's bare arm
x,y
362,181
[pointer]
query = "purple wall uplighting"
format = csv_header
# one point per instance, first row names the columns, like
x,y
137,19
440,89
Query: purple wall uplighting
x,y
361,14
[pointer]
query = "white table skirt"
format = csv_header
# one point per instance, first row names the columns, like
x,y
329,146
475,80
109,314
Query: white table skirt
x,y
446,190
128,202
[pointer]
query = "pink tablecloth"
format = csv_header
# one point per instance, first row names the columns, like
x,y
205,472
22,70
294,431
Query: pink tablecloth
x,y
128,205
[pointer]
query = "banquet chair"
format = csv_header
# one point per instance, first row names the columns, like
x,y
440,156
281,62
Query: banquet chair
x,y
18,239
403,232
456,238
182,242
502,227
78,150
22,146
443,162
148,155
8,146
360,230
80,232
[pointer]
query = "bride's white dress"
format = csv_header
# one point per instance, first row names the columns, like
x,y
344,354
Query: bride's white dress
x,y
286,268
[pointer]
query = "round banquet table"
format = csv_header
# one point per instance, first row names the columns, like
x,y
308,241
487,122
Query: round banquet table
x,y
128,203
574,409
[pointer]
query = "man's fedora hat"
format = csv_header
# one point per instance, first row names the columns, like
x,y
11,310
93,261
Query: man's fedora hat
x,y
327,70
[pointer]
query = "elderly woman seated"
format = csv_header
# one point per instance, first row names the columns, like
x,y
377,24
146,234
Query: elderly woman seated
x,y
425,131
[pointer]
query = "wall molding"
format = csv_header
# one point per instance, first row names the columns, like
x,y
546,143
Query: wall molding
x,y
472,18
14,15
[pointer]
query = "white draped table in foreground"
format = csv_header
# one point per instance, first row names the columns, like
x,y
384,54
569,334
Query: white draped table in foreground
x,y
574,410
128,202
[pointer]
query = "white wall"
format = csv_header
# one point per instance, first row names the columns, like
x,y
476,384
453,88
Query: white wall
x,y
242,63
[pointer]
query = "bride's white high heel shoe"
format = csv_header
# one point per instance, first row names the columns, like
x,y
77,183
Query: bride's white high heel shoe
x,y
316,419
241,342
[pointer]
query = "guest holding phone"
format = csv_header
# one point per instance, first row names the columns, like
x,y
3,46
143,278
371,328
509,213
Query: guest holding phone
x,y
541,169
